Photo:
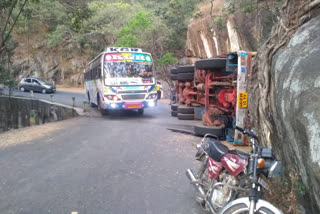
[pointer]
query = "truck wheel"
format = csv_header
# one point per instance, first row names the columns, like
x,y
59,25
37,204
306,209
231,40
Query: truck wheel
x,y
185,76
173,71
185,110
202,130
213,63
185,116
174,113
186,69
174,107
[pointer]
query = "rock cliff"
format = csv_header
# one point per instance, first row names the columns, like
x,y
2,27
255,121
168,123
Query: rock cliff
x,y
286,86
33,58
218,29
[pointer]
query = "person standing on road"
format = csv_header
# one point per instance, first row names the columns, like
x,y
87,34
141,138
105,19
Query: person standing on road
x,y
159,90
172,95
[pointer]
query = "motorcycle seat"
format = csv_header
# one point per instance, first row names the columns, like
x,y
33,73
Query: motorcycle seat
x,y
215,149
242,155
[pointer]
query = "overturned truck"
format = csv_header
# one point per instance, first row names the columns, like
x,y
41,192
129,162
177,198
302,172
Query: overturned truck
x,y
215,91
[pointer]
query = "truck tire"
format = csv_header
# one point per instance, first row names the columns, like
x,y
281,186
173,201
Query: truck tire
x,y
186,69
185,76
212,63
173,71
174,113
174,107
185,110
202,130
185,116
174,77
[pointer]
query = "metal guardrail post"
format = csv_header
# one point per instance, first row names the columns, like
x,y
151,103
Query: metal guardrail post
x,y
51,97
32,117
73,101
85,106
31,94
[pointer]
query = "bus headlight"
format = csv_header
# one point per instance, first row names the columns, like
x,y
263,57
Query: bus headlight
x,y
112,97
152,96
113,105
109,97
151,103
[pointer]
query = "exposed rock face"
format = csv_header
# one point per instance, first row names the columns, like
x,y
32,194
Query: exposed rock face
x,y
34,58
215,33
287,89
296,76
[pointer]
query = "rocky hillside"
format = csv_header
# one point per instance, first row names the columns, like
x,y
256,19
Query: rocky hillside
x,y
223,26
56,38
34,58
60,49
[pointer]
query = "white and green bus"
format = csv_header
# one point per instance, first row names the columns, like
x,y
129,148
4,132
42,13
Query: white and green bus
x,y
121,78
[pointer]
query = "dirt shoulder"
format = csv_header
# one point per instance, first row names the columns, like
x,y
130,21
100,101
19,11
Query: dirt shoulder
x,y
24,135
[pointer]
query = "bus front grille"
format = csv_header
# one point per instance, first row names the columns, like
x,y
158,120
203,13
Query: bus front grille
x,y
132,92
133,96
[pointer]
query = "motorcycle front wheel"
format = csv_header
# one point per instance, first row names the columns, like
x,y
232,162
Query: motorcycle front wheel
x,y
241,206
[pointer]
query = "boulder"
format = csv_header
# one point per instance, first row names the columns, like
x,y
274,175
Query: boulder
x,y
295,70
285,97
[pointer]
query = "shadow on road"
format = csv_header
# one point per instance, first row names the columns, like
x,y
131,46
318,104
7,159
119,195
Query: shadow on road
x,y
126,115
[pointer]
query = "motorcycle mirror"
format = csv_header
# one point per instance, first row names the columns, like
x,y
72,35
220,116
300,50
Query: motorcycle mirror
x,y
275,169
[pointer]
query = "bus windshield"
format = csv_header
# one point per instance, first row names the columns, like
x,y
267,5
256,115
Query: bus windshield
x,y
127,65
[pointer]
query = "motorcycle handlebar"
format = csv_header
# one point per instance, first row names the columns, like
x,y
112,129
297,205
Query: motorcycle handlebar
x,y
240,129
247,132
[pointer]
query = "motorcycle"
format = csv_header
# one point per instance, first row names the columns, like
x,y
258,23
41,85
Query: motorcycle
x,y
224,175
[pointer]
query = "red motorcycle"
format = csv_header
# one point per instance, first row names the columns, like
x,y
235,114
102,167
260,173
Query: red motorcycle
x,y
224,174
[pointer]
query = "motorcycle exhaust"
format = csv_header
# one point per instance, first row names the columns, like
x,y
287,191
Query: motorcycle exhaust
x,y
193,180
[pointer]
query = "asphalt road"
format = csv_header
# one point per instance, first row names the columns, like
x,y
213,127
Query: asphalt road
x,y
118,164
59,96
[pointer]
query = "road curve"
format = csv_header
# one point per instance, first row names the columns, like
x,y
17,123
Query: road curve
x,y
122,163
60,96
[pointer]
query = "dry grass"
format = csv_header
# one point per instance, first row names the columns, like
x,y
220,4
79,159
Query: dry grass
x,y
283,194
24,135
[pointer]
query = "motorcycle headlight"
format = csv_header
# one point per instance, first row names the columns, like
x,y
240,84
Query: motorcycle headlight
x,y
275,169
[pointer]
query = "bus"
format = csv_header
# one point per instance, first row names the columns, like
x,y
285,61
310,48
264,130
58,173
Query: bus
x,y
121,78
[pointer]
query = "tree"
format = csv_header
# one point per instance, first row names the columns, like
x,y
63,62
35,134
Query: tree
x,y
7,23
164,63
129,36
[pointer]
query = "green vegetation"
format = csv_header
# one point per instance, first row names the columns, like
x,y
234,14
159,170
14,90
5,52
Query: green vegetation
x,y
88,27
128,36
219,22
249,6
10,11
164,63
167,59
156,26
